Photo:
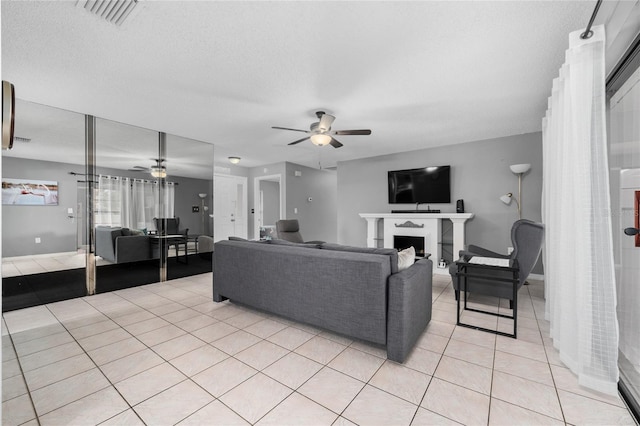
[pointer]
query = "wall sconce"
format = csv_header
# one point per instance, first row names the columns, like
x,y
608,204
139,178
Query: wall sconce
x,y
234,160
518,169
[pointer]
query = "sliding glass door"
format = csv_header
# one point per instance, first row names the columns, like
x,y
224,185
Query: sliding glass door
x,y
624,160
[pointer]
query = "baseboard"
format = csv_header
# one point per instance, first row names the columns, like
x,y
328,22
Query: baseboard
x,y
539,277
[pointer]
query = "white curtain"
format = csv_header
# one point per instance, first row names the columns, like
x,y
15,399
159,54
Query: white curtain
x,y
132,203
579,268
108,200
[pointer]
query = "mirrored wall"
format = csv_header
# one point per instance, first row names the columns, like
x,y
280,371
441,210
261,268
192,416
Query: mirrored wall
x,y
141,213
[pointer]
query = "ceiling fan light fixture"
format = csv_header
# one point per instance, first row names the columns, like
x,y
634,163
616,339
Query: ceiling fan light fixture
x,y
320,139
234,160
158,172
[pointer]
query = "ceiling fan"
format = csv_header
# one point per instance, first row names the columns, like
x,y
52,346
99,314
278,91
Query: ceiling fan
x,y
157,171
321,133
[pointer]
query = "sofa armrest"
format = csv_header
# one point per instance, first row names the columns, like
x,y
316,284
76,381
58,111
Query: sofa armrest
x,y
132,248
104,243
410,294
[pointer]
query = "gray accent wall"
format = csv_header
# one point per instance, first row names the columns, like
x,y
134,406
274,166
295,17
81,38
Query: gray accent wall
x,y
480,174
317,218
22,224
58,233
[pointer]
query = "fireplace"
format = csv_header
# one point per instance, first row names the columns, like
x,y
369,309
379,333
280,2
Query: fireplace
x,y
402,242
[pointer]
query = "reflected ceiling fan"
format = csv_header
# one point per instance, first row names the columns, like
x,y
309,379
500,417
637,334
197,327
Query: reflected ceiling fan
x,y
320,132
157,171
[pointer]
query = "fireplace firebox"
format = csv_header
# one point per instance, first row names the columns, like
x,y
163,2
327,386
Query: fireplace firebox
x,y
402,242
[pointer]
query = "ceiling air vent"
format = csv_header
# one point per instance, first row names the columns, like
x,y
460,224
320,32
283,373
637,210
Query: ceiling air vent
x,y
21,140
113,11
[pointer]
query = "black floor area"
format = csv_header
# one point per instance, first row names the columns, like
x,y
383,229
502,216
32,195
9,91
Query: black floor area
x,y
38,289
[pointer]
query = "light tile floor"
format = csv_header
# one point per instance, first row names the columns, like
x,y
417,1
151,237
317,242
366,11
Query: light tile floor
x,y
167,354
52,262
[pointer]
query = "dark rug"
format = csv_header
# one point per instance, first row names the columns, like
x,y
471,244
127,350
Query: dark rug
x,y
39,289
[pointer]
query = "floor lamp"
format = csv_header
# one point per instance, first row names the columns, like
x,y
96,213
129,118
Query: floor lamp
x,y
518,169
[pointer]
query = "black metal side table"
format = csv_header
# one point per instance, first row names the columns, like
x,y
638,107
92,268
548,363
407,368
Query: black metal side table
x,y
510,273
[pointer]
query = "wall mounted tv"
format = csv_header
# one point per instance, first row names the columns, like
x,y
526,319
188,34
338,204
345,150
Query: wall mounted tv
x,y
424,185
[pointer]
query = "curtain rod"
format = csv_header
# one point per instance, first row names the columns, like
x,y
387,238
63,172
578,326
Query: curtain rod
x,y
135,179
121,177
587,32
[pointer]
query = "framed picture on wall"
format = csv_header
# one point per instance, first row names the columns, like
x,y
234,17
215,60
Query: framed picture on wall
x,y
29,192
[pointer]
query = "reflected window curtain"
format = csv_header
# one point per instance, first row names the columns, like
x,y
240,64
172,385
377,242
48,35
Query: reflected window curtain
x,y
579,268
169,200
131,203
144,204
108,200
126,203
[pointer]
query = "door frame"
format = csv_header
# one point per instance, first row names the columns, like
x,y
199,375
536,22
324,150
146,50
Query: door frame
x,y
245,197
256,200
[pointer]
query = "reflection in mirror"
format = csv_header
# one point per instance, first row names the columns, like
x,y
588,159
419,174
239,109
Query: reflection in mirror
x,y
42,222
126,201
152,198
190,164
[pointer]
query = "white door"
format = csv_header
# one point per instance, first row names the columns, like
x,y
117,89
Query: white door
x,y
229,207
624,159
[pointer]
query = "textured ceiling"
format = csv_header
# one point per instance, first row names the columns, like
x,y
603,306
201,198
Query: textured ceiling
x,y
418,74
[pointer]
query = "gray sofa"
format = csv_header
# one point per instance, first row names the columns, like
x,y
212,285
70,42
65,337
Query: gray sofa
x,y
357,292
114,245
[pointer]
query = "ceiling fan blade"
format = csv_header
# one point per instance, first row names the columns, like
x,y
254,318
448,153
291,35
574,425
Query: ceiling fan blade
x,y
325,122
286,128
334,143
352,132
299,140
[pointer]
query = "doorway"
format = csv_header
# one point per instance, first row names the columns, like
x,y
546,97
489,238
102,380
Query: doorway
x,y
268,200
229,207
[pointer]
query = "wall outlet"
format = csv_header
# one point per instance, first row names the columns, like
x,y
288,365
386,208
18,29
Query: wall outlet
x,y
195,209
295,210
38,240
509,250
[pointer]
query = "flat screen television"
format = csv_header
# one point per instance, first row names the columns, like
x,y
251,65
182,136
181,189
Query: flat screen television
x,y
424,185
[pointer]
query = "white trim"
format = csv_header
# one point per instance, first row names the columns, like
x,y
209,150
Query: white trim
x,y
256,200
539,277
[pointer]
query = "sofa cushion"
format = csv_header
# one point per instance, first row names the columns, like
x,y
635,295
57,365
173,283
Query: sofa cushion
x,y
277,241
392,253
135,232
126,232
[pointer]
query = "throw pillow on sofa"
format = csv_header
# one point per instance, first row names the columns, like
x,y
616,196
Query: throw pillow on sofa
x,y
406,258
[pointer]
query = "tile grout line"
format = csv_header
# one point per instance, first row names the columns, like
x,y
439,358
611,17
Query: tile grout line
x,y
24,380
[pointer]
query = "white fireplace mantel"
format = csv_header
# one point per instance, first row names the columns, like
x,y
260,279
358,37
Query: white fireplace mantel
x,y
427,225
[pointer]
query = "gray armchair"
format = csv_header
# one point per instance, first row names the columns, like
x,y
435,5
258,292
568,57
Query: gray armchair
x,y
526,237
289,230
169,226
